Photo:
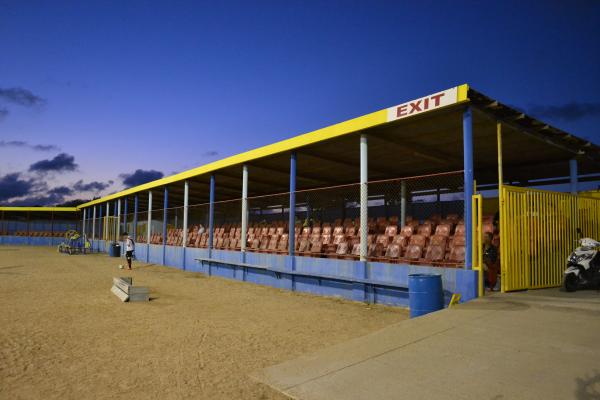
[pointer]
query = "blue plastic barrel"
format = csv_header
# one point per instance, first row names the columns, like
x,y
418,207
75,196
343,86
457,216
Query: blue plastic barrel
x,y
114,250
425,294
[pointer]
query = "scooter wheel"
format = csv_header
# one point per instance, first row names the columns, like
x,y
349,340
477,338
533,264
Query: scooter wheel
x,y
570,283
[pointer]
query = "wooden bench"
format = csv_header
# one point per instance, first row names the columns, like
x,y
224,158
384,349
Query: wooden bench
x,y
123,288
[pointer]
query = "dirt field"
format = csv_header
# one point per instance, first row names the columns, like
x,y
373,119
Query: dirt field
x,y
64,335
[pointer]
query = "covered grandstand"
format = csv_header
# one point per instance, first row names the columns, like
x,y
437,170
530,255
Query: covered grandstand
x,y
351,209
37,225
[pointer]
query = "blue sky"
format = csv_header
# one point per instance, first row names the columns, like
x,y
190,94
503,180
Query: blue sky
x,y
167,86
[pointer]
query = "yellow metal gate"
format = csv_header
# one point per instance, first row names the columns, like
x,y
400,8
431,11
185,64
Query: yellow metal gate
x,y
538,230
589,216
478,241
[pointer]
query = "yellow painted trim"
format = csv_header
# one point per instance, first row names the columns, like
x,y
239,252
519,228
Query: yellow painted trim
x,y
454,300
462,94
42,209
329,132
477,251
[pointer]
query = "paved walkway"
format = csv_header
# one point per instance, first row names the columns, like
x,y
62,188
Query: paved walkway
x,y
541,344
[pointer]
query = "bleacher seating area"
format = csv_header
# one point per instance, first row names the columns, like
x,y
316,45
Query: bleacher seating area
x,y
434,241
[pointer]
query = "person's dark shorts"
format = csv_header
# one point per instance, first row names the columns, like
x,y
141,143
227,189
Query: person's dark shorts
x,y
129,255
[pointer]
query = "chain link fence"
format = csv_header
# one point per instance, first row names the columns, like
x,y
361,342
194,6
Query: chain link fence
x,y
415,220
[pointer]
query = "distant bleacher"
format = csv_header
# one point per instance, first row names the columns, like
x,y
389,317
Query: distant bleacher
x,y
33,234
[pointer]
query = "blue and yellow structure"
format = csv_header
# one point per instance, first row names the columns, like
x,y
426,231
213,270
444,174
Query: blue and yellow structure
x,y
501,154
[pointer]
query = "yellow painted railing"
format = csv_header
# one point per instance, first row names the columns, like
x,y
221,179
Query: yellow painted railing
x,y
538,230
589,216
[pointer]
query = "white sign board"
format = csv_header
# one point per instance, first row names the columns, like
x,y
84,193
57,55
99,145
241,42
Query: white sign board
x,y
424,104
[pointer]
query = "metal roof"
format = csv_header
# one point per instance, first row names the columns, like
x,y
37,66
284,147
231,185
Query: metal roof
x,y
283,147
401,144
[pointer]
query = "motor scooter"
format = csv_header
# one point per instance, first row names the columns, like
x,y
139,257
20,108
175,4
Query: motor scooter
x,y
583,266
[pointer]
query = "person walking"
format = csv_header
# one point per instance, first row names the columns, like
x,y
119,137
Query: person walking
x,y
129,248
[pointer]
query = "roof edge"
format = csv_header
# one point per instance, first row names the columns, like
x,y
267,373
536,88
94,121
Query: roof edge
x,y
42,209
329,132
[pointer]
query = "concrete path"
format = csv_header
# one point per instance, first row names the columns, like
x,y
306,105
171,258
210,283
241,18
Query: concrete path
x,y
530,345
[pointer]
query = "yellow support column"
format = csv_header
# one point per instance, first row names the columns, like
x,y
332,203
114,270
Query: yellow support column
x,y
499,138
501,205
477,241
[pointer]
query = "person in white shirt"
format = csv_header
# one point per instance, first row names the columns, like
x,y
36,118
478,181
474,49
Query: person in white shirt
x,y
129,248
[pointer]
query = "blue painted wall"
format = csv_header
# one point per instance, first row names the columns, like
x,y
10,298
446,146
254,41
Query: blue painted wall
x,y
141,250
329,266
174,256
190,259
155,253
372,282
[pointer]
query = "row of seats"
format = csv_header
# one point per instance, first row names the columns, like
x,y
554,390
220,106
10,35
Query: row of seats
x,y
34,234
433,241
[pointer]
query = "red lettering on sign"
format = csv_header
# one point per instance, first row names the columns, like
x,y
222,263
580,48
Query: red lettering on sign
x,y
436,98
401,111
425,104
415,107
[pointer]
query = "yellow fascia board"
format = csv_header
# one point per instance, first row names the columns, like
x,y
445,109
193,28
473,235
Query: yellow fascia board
x,y
462,94
42,209
343,128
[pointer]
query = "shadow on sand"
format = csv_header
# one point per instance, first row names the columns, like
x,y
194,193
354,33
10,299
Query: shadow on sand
x,y
588,387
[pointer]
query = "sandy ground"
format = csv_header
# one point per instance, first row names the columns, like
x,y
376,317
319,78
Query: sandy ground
x,y
64,335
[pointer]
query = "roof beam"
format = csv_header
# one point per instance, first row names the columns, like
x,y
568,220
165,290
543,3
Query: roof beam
x,y
302,176
510,121
336,160
254,180
217,186
419,151
518,171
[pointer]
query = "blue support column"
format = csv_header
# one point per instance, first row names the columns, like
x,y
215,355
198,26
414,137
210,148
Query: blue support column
x,y
468,184
292,217
573,175
135,216
164,231
165,206
211,215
